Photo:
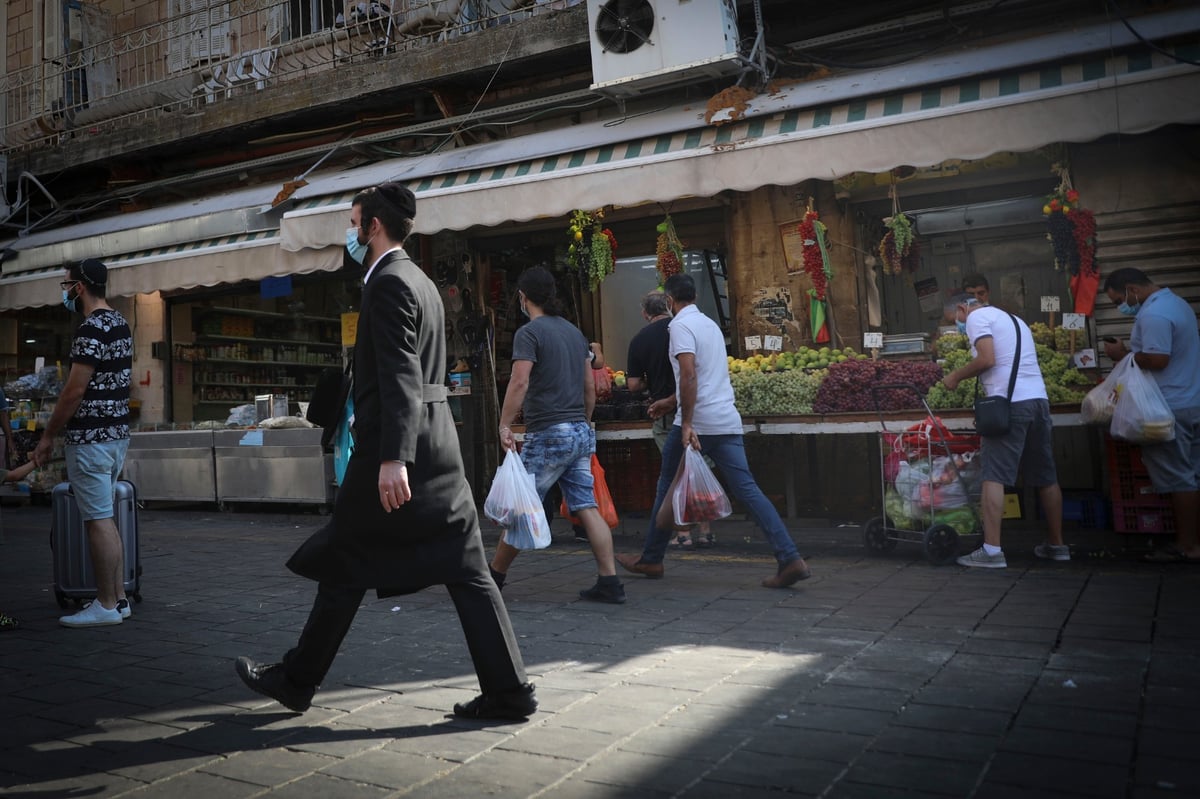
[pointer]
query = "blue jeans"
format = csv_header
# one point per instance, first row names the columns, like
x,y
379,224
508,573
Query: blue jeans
x,y
562,454
729,454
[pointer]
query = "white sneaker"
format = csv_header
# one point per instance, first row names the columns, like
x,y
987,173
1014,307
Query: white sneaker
x,y
982,560
93,615
1052,551
125,608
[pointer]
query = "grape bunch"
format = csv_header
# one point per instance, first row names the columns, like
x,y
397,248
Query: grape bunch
x,y
849,385
1062,339
668,250
1062,236
758,393
950,342
896,248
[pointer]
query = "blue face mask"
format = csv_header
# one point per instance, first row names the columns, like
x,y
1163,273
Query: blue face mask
x,y
356,249
961,325
68,300
1128,309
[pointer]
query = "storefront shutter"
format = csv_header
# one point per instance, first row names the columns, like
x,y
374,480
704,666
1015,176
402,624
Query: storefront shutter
x,y
1162,242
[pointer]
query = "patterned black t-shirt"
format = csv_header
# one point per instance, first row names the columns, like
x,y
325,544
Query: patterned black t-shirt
x,y
105,343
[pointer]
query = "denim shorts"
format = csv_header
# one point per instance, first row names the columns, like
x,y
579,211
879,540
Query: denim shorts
x,y
1027,448
1174,466
562,454
93,470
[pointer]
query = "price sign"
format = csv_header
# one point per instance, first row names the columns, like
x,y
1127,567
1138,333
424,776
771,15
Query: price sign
x,y
773,343
754,342
1073,321
1050,303
873,341
349,328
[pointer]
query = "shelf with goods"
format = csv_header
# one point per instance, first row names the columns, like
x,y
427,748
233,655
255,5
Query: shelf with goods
x,y
28,418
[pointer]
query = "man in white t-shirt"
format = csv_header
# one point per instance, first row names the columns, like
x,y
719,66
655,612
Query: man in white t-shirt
x,y
708,421
993,336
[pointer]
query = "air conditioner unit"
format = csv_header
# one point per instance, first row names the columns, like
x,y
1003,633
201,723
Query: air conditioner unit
x,y
638,45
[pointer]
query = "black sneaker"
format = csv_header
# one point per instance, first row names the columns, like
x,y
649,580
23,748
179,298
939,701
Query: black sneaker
x,y
123,607
612,594
270,680
515,705
580,534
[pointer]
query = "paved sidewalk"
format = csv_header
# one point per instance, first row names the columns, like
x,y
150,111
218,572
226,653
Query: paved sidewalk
x,y
879,677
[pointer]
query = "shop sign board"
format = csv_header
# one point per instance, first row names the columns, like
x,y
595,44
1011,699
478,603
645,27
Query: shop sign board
x,y
349,328
773,305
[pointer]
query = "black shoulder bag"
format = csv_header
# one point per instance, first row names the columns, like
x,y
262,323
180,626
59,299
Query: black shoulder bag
x,y
329,397
993,415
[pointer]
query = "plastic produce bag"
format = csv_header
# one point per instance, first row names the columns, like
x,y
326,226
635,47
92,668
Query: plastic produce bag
x,y
513,503
698,497
604,501
1099,403
1141,415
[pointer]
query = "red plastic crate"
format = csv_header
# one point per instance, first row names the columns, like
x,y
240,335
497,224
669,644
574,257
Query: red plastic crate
x,y
1143,517
631,469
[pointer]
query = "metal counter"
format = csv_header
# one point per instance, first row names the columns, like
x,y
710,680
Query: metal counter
x,y
174,465
272,466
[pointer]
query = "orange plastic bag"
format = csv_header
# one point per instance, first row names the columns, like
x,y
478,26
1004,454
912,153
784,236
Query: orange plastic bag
x,y
604,502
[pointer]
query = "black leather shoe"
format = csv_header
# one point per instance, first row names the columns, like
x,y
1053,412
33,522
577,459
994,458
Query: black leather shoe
x,y
516,705
270,680
612,594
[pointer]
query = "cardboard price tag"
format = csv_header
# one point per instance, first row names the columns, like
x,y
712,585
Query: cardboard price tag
x,y
773,343
872,341
754,342
1051,303
1073,321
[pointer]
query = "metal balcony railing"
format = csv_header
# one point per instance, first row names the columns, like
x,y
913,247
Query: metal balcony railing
x,y
211,50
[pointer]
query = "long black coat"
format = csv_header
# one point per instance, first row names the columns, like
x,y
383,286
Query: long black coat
x,y
399,362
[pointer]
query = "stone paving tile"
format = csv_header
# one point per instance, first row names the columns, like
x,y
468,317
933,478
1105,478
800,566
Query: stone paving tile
x,y
639,770
267,767
1018,771
844,720
1172,776
858,696
1078,719
887,771
756,770
936,744
195,785
1078,746
328,787
953,719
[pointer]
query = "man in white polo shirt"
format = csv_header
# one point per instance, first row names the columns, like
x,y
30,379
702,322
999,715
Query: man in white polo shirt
x,y
1027,446
707,419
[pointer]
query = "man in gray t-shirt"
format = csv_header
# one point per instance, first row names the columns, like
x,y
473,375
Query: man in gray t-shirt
x,y
559,351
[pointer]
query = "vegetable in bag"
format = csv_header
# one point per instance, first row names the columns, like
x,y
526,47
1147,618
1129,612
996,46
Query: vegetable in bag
x,y
513,503
1141,416
698,497
1099,403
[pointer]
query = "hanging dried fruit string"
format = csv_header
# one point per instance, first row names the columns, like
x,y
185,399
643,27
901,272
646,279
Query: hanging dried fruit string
x,y
898,248
814,248
1071,229
669,250
591,247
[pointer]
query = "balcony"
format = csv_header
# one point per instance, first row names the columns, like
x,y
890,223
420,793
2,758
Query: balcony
x,y
193,62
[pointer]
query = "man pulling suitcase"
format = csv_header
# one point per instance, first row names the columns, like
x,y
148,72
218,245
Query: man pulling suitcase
x,y
93,410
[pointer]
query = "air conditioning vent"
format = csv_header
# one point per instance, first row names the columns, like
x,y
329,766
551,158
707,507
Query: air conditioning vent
x,y
639,45
623,26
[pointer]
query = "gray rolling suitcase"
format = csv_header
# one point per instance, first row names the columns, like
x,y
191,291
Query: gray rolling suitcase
x,y
73,575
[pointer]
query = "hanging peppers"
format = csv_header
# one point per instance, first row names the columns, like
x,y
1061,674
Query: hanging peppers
x,y
669,250
815,251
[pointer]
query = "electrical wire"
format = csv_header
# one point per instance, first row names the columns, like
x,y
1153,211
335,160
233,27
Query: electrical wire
x,y
1124,21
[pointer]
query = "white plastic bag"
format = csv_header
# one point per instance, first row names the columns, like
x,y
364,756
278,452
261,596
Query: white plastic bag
x,y
698,497
1099,403
1141,416
513,504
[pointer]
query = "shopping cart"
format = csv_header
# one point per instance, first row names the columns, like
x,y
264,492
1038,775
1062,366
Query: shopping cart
x,y
930,480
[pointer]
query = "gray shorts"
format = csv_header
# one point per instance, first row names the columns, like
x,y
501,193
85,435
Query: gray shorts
x,y
1027,449
1174,466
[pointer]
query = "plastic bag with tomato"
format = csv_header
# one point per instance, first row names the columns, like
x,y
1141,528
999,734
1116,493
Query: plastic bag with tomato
x,y
698,496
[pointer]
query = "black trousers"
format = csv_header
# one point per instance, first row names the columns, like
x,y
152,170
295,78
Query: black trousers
x,y
481,612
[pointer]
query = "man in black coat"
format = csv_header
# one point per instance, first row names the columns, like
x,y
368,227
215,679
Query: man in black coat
x,y
404,518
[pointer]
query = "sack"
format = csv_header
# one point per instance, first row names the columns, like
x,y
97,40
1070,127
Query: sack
x,y
992,416
1141,416
604,501
698,496
328,402
513,503
343,442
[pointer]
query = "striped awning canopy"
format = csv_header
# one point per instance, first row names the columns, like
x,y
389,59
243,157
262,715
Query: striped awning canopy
x,y
781,140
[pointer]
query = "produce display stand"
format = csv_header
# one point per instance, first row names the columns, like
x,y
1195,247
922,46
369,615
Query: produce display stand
x,y
926,495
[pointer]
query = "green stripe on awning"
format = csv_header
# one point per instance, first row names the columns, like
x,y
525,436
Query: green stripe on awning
x,y
857,111
968,91
822,117
893,105
931,98
1010,84
1050,77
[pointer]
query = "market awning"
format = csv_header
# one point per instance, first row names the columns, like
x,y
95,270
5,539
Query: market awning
x,y
225,259
788,140
219,238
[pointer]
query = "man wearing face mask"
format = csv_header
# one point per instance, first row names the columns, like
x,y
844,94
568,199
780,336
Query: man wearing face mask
x,y
1165,343
1027,447
404,518
93,409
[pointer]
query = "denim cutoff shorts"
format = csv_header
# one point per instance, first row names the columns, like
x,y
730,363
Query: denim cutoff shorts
x,y
562,454
93,470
